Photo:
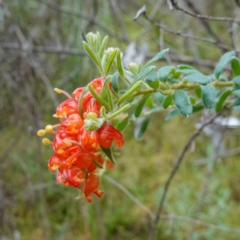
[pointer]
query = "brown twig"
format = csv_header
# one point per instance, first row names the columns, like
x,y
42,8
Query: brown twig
x,y
172,174
82,15
209,18
185,35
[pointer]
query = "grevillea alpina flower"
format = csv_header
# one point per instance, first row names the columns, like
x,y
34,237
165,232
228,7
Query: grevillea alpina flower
x,y
79,139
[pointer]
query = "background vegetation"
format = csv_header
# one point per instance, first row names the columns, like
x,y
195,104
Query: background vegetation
x,y
41,48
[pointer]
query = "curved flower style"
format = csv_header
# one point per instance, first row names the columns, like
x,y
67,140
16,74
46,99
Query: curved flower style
x,y
78,151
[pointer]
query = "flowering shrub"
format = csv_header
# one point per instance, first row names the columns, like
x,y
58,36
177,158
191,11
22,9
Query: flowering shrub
x,y
92,118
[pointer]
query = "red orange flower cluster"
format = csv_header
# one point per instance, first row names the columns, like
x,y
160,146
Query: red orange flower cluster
x,y
77,150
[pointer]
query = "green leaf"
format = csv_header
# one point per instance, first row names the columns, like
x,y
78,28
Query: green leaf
x,y
167,101
110,61
185,66
224,60
98,97
91,53
208,96
235,64
222,99
172,80
197,78
108,153
157,57
103,46
172,114
144,72
176,75
186,69
129,92
122,124
142,128
192,100
159,97
150,103
197,108
105,88
236,102
152,81
140,106
182,102
115,82
198,92
237,80
236,93
119,63
163,72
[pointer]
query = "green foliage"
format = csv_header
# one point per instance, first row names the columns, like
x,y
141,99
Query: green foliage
x,y
208,96
182,102
224,60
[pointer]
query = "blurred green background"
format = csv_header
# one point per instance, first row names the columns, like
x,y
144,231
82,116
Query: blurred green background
x,y
41,48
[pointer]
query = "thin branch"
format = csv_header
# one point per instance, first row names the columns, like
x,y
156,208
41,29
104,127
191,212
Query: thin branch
x,y
205,23
134,199
82,15
185,35
209,18
172,174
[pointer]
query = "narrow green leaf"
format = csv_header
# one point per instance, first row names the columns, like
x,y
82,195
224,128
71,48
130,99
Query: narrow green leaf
x,y
167,101
144,72
122,124
157,57
108,153
142,128
235,64
98,97
103,46
119,63
115,82
163,72
172,113
197,78
222,99
129,92
224,60
208,96
152,80
140,106
105,88
110,61
182,102
185,66
91,53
